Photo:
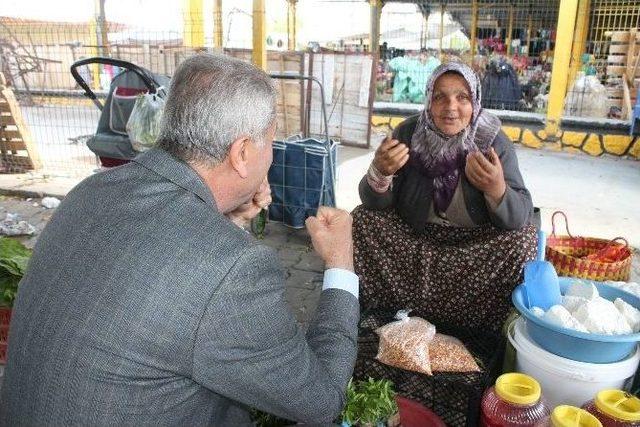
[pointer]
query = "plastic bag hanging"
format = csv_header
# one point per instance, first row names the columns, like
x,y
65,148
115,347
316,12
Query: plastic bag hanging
x,y
143,126
587,98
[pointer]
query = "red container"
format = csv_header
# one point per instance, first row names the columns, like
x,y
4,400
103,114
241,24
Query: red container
x,y
4,335
615,408
515,401
5,315
5,319
414,414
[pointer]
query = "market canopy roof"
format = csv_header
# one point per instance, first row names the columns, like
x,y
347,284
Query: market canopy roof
x,y
492,14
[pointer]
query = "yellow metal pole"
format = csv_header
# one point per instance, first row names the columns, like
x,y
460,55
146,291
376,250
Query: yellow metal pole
x,y
259,56
441,27
510,29
217,23
103,39
291,24
474,26
375,7
193,28
579,38
98,34
561,57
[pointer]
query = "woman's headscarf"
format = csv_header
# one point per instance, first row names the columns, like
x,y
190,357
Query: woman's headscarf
x,y
441,156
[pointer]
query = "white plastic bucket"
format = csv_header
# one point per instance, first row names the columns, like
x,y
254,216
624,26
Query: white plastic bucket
x,y
565,381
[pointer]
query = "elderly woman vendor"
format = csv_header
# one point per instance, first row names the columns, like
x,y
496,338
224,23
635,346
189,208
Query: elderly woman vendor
x,y
444,226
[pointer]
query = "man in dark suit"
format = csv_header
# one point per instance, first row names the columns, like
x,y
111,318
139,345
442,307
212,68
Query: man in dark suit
x,y
146,304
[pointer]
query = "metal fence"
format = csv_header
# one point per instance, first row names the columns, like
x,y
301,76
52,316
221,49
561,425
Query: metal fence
x,y
609,76
514,41
513,53
35,58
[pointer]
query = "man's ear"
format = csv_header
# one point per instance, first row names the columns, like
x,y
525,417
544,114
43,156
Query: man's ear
x,y
239,156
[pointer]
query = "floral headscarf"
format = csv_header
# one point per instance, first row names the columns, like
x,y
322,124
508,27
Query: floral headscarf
x,y
440,156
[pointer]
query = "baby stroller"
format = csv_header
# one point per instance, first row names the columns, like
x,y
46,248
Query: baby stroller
x,y
111,143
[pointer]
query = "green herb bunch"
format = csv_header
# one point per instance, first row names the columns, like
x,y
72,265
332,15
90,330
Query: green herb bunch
x,y
369,402
14,258
263,419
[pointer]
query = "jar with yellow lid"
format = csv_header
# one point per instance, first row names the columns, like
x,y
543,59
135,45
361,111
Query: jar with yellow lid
x,y
515,401
615,408
569,416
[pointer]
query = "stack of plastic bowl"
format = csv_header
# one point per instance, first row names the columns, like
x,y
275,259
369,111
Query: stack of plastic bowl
x,y
573,366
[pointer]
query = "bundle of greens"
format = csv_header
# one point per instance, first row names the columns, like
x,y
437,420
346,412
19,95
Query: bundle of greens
x,y
369,403
14,258
263,419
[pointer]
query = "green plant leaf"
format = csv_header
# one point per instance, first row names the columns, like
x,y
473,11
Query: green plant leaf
x,y
14,256
8,289
369,401
14,259
263,419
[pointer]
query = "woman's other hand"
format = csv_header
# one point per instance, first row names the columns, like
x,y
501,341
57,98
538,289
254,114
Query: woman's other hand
x,y
390,156
486,174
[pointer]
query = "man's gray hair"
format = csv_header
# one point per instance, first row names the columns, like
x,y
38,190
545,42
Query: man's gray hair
x,y
212,101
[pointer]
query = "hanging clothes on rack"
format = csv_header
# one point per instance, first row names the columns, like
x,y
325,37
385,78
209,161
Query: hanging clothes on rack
x,y
500,87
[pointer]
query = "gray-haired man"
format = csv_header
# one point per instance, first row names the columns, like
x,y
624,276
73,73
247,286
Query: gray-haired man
x,y
145,304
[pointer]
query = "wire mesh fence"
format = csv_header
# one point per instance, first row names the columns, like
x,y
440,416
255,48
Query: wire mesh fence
x,y
608,76
35,57
512,51
510,44
56,120
602,82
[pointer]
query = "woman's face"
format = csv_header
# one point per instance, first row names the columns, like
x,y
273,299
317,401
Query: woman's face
x,y
451,107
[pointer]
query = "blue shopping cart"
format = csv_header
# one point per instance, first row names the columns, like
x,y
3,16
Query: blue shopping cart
x,y
302,175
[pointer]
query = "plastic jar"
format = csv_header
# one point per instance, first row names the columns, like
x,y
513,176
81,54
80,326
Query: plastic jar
x,y
515,400
615,408
569,416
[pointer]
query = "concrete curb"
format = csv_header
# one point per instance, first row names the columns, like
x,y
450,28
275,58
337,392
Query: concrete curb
x,y
29,193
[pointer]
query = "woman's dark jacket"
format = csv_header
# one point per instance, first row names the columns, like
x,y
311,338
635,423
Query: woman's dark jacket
x,y
411,191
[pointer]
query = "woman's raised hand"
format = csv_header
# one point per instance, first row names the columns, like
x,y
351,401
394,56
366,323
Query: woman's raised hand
x,y
390,156
486,174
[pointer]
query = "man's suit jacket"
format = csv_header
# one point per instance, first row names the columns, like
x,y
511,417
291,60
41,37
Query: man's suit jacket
x,y
144,305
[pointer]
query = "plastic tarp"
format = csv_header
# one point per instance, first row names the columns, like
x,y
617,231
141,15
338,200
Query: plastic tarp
x,y
587,98
411,78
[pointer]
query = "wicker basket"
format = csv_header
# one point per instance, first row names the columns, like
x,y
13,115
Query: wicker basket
x,y
567,253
